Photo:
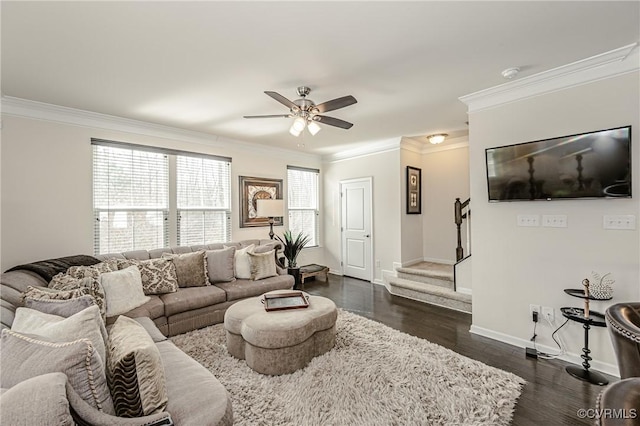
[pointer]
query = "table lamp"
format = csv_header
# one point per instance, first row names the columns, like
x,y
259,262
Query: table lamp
x,y
270,209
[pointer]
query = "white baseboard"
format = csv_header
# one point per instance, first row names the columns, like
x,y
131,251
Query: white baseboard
x,y
334,272
378,282
603,367
443,261
464,290
411,262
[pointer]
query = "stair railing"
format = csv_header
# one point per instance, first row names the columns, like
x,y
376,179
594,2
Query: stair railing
x,y
462,212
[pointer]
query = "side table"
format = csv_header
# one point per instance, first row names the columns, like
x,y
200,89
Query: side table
x,y
595,319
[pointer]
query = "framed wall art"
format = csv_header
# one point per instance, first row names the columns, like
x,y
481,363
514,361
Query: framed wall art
x,y
253,189
414,190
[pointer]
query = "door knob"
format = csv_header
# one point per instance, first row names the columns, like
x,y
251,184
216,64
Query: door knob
x,y
367,236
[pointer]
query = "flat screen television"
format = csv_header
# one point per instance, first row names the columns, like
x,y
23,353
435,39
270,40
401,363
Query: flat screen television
x,y
587,165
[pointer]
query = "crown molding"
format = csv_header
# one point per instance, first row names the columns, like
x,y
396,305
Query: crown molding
x,y
377,147
606,65
24,108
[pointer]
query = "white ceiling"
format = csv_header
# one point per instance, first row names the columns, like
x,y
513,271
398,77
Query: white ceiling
x,y
203,65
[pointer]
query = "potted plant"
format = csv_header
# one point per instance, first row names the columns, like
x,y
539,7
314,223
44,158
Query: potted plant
x,y
292,246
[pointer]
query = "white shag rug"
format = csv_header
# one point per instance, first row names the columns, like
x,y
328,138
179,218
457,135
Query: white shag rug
x,y
375,375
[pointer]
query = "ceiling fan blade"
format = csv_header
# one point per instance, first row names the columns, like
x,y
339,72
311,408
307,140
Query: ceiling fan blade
x,y
333,121
268,116
284,101
334,104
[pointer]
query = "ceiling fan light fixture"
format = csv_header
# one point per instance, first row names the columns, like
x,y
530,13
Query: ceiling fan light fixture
x,y
438,138
295,132
313,128
299,124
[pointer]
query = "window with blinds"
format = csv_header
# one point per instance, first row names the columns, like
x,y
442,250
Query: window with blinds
x,y
203,200
134,197
303,196
130,199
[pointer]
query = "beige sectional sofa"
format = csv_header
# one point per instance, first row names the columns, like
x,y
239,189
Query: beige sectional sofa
x,y
196,397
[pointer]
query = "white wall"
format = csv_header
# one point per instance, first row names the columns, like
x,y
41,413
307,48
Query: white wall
x,y
411,224
445,176
46,178
383,167
515,266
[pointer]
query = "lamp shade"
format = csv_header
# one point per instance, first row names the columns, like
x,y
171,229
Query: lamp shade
x,y
270,208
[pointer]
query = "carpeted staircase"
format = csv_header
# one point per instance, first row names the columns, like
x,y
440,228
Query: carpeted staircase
x,y
430,283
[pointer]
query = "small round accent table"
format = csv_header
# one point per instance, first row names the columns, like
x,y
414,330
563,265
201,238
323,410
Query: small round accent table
x,y
595,319
281,341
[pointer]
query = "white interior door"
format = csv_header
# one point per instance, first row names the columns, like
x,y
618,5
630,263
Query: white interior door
x,y
356,228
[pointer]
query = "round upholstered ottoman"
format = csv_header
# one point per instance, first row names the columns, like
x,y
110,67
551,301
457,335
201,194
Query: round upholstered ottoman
x,y
280,342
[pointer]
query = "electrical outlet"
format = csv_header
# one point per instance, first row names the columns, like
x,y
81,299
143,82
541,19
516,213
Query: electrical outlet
x,y
534,308
548,313
528,220
554,220
621,221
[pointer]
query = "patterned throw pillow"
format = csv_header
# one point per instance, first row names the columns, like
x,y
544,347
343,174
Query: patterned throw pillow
x,y
158,275
44,293
263,265
191,268
135,372
68,282
23,357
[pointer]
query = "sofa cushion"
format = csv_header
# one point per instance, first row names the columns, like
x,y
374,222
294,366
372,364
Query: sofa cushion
x,y
40,400
123,290
241,289
186,299
85,324
220,265
153,309
191,268
263,265
91,282
135,370
63,308
23,357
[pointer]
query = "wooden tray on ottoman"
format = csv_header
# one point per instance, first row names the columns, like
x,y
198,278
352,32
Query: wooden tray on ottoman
x,y
280,301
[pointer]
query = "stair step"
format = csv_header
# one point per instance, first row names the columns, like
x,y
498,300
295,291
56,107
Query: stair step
x,y
429,273
429,293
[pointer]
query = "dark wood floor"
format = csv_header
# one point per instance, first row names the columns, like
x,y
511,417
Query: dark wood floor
x,y
550,397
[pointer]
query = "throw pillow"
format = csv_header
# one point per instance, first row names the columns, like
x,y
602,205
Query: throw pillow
x,y
158,275
40,400
263,265
123,290
44,293
135,371
63,308
220,265
68,282
23,357
84,324
191,268
243,263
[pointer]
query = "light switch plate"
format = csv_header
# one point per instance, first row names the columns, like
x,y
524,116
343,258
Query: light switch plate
x,y
528,220
554,220
621,221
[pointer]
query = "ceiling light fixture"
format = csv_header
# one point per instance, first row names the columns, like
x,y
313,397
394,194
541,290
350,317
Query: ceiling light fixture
x,y
510,73
438,138
313,128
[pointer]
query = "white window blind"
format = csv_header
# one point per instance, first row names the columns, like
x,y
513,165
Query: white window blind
x,y
303,202
130,199
203,200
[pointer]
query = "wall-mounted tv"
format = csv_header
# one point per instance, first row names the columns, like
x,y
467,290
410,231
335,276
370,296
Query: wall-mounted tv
x,y
587,165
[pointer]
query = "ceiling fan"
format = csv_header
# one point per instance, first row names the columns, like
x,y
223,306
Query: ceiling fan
x,y
307,113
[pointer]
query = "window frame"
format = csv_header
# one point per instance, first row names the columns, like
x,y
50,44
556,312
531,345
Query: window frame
x,y
316,210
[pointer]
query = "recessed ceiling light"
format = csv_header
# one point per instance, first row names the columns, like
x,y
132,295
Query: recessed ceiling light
x,y
438,138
